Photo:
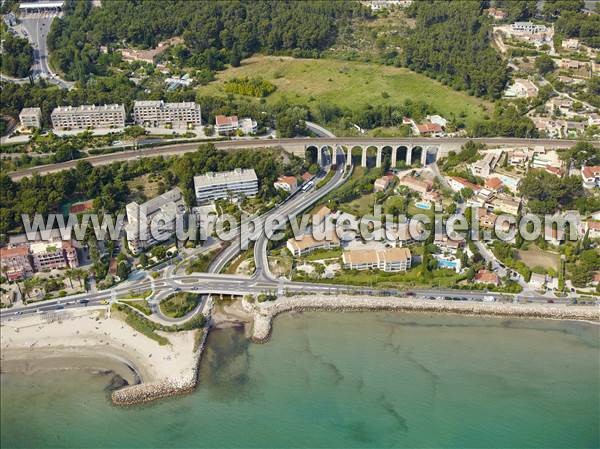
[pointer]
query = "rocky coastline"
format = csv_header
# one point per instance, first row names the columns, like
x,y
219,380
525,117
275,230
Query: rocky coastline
x,y
172,386
264,313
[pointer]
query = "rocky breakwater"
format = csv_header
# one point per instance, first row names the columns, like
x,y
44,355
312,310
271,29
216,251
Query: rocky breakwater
x,y
181,383
265,312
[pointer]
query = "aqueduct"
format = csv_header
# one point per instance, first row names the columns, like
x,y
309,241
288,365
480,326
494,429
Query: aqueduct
x,y
394,153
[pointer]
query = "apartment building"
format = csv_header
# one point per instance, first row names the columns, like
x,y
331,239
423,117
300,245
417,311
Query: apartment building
x,y
389,260
31,118
15,263
212,186
153,221
88,116
307,243
160,114
48,255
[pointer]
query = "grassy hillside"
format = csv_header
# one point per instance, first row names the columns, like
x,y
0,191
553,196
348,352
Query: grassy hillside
x,y
349,84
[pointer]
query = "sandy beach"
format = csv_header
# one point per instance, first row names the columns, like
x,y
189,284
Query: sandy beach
x,y
88,339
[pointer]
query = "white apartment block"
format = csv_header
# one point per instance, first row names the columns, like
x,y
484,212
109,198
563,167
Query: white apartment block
x,y
158,113
31,118
88,116
153,221
212,186
390,260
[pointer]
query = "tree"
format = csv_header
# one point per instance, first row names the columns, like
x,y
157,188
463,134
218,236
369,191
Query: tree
x,y
554,8
544,64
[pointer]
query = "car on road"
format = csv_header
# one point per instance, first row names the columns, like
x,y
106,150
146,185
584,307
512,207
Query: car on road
x,y
18,312
84,301
104,302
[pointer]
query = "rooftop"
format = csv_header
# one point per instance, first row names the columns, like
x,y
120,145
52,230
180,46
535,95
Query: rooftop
x,y
225,177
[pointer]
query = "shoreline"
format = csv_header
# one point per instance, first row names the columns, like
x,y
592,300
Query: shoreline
x,y
93,342
264,313
90,340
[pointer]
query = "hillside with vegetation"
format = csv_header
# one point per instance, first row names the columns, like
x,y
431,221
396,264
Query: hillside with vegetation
x,y
215,33
450,43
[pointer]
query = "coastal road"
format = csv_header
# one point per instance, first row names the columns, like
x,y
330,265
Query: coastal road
x,y
209,283
292,144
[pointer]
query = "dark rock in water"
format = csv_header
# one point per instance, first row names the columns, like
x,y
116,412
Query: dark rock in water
x,y
116,382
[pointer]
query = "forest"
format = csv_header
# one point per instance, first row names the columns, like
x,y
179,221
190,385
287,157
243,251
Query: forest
x,y
215,32
450,43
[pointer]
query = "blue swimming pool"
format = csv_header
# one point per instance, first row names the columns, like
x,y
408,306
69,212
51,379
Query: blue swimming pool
x,y
423,205
445,263
509,182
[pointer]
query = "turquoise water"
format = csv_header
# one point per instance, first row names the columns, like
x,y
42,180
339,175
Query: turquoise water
x,y
343,380
445,263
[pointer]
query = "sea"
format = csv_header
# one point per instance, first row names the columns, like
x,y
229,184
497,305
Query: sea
x,y
342,380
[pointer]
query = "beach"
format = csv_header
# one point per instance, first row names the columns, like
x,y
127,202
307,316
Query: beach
x,y
89,339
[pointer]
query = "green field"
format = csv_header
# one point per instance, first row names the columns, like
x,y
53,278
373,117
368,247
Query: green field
x,y
348,84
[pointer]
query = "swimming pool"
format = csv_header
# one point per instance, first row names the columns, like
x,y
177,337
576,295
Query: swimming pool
x,y
423,205
509,182
446,263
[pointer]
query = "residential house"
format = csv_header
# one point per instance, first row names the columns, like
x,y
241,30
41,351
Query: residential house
x,y
287,183
593,229
428,129
522,88
486,277
448,245
497,14
415,184
494,184
485,166
226,125
590,176
457,184
15,263
382,184
505,203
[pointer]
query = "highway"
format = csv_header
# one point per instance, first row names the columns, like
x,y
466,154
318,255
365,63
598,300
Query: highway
x,y
287,144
